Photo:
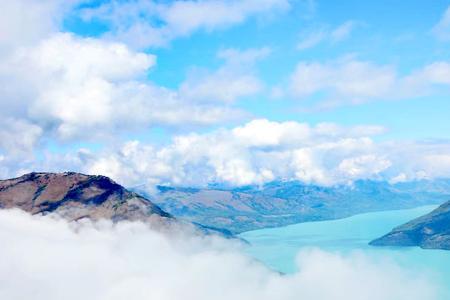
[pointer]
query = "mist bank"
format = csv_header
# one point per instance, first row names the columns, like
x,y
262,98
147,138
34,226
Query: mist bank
x,y
48,258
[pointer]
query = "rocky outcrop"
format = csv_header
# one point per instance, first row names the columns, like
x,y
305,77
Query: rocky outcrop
x,y
431,231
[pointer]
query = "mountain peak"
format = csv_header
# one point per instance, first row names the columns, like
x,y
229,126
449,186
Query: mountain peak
x,y
76,196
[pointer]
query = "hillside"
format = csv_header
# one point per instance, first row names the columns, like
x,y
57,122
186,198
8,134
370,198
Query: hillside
x,y
431,231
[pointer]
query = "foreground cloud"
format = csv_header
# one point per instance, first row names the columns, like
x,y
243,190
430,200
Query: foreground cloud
x,y
44,258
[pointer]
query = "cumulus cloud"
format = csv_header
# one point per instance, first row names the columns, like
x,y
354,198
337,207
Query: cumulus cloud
x,y
358,166
67,88
24,22
442,29
352,81
262,151
45,258
257,152
63,88
145,23
419,160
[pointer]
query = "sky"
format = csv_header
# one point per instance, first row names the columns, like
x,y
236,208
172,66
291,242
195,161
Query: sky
x,y
236,92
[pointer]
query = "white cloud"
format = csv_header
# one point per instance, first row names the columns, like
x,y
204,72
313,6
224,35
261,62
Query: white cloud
x,y
311,38
437,73
43,258
258,152
343,31
25,22
59,86
67,88
262,151
134,22
260,133
351,81
356,166
442,29
421,160
10,130
234,80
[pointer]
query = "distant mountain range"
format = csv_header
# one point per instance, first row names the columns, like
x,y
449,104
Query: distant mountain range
x,y
287,202
431,231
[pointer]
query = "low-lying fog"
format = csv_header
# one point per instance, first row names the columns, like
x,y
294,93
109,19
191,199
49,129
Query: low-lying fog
x,y
46,258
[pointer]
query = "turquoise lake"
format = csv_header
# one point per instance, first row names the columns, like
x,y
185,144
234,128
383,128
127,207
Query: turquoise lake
x,y
278,247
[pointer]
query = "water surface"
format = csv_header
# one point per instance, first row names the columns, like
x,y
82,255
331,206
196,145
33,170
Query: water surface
x,y
278,247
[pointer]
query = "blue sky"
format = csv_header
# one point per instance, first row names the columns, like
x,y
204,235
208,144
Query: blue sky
x,y
397,33
322,89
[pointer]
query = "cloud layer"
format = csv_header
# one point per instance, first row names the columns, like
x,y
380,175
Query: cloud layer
x,y
44,258
262,151
257,152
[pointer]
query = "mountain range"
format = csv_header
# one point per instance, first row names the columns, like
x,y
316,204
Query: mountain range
x,y
282,203
226,210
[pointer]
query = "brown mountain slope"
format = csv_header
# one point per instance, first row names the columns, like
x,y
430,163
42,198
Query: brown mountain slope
x,y
76,196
